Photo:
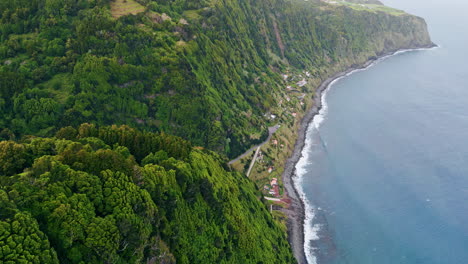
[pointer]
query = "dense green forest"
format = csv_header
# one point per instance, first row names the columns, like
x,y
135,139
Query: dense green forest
x,y
207,71
117,195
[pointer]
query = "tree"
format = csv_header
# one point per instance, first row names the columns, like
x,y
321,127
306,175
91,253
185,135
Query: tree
x,y
13,157
67,133
21,240
155,158
103,238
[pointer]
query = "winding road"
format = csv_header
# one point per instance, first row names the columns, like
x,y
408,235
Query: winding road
x,y
271,131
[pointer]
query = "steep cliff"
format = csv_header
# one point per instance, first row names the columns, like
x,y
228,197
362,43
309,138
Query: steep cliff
x,y
208,71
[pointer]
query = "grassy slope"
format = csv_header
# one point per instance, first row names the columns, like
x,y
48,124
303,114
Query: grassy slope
x,y
121,8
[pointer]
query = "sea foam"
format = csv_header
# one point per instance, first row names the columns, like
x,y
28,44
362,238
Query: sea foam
x,y
311,229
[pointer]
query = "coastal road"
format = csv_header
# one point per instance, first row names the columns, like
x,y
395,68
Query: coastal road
x,y
271,131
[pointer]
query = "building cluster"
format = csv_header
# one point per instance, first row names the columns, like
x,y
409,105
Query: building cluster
x,y
272,188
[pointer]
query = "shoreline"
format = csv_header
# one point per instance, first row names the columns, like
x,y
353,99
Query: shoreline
x,y
296,212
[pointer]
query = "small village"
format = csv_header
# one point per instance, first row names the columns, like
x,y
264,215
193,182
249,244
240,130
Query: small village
x,y
262,164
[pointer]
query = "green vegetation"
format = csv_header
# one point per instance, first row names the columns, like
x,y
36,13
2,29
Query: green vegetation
x,y
207,71
103,101
84,196
371,7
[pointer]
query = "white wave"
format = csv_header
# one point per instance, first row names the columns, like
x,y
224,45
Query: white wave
x,y
301,170
311,230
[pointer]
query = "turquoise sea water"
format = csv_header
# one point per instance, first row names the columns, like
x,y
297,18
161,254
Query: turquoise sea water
x,y
385,166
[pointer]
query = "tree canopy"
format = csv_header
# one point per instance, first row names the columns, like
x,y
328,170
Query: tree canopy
x,y
89,199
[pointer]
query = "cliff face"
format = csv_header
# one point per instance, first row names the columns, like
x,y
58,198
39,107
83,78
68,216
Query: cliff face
x,y
319,36
262,39
405,36
208,71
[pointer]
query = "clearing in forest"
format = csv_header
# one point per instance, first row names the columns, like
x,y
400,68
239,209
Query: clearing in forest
x,y
124,7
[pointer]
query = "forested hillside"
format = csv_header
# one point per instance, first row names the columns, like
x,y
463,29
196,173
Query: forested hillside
x,y
208,71
110,111
117,195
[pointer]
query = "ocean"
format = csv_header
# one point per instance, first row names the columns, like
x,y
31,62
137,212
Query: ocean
x,y
385,168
